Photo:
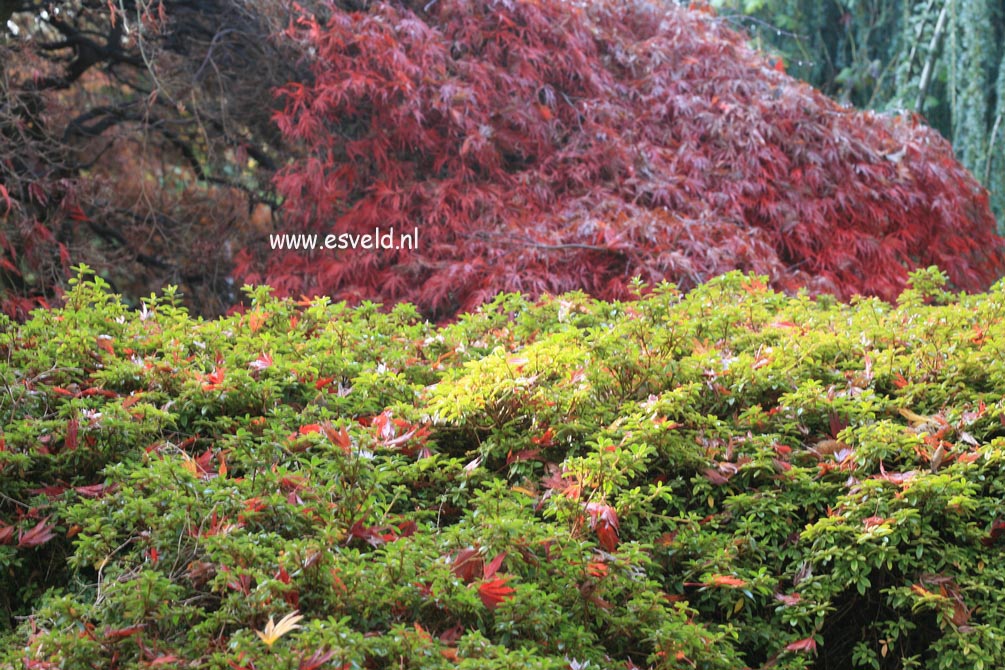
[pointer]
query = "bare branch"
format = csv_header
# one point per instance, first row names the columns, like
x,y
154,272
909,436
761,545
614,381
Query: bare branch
x,y
933,47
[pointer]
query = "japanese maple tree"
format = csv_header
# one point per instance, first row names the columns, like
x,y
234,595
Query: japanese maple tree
x,y
549,146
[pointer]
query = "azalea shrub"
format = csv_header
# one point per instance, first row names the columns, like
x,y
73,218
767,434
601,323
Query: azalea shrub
x,y
720,479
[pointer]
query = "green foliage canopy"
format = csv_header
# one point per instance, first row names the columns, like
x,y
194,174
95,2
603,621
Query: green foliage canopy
x,y
723,479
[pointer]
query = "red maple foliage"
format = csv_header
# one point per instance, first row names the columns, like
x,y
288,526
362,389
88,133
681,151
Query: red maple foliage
x,y
549,146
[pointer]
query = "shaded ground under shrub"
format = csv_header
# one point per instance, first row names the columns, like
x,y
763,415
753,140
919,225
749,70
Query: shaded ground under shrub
x,y
726,478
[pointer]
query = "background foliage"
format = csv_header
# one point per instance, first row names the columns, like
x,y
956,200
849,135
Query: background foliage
x,y
942,59
136,136
723,479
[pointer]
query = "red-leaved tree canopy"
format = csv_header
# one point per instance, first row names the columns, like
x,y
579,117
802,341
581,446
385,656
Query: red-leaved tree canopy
x,y
548,146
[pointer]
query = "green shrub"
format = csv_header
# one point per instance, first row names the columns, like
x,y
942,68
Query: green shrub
x,y
729,478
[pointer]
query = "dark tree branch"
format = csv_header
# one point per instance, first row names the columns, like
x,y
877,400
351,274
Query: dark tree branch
x,y
112,116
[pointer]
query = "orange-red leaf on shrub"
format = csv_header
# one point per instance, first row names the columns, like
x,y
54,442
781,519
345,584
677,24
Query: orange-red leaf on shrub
x,y
727,581
806,644
104,343
494,591
788,600
72,427
40,534
93,490
6,533
467,565
996,533
493,566
262,362
214,379
607,534
604,521
339,437
407,528
316,660
115,634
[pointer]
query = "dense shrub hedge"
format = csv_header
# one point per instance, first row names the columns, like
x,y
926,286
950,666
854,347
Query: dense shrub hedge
x,y
729,478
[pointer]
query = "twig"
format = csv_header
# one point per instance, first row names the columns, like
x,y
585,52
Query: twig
x,y
991,148
917,37
571,245
933,46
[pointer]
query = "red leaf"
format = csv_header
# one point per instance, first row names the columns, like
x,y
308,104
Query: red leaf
x,y
837,424
214,379
261,363
727,581
116,634
50,491
468,565
105,342
806,644
607,535
37,193
316,660
104,393
370,534
204,462
77,214
523,455
873,521
494,592
164,658
338,437
899,478
38,535
996,533
93,490
493,567
547,438
70,441
132,400
604,521
789,600
6,533
10,267
716,477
